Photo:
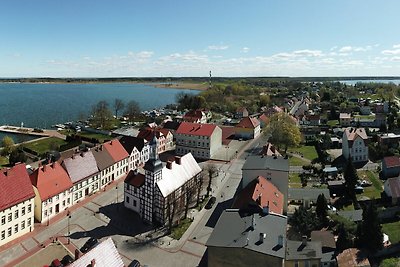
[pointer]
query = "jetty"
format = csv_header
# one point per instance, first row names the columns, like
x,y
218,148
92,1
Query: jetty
x,y
31,131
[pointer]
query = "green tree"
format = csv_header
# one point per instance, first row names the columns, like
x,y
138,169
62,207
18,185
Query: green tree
x,y
321,209
101,115
303,221
391,262
351,178
8,146
132,110
344,239
283,131
118,105
211,170
371,235
16,156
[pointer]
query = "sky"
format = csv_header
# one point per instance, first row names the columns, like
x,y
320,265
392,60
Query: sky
x,y
179,38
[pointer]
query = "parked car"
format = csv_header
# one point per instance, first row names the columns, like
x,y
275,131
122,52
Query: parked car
x,y
91,243
67,259
56,263
134,263
211,202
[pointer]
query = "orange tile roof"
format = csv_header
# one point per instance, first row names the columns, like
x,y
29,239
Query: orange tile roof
x,y
262,193
15,186
135,179
264,118
147,133
392,161
116,150
248,122
50,180
196,129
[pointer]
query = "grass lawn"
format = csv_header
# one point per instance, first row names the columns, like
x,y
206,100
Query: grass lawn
x,y
308,152
348,207
179,230
332,123
3,161
393,231
45,145
294,161
100,137
375,190
294,180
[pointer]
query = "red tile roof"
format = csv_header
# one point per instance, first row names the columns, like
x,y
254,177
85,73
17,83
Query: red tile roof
x,y
15,186
50,180
135,179
116,150
241,109
394,185
147,133
392,161
262,193
248,122
264,118
196,129
193,116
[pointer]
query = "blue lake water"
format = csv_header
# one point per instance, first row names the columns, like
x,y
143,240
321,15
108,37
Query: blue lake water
x,y
18,138
353,82
43,105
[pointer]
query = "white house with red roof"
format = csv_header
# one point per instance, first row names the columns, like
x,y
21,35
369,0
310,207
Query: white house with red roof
x,y
16,203
202,140
241,112
148,133
355,144
52,187
195,116
248,128
120,157
390,166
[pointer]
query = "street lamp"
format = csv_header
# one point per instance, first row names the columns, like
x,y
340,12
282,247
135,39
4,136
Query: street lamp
x,y
116,189
68,217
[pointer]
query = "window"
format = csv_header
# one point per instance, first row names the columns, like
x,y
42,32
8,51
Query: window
x,y
29,208
307,264
134,203
9,231
51,210
29,221
3,234
127,199
16,214
22,225
45,213
23,211
63,203
16,228
9,217
3,220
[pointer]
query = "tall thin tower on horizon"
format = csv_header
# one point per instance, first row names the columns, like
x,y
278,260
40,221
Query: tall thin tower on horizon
x,y
210,81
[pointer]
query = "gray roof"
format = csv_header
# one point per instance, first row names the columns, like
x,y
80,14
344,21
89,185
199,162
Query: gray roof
x,y
266,162
80,166
352,215
234,230
307,193
103,158
295,250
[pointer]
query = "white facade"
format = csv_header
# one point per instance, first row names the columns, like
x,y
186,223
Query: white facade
x,y
120,168
48,208
200,146
354,146
16,221
85,187
138,158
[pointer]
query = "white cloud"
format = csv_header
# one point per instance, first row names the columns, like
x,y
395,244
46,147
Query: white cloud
x,y
245,49
308,53
396,46
218,47
333,48
391,52
348,49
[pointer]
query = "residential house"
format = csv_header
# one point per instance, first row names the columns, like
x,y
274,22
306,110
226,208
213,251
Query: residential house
x,y
104,254
306,196
52,187
336,187
352,257
355,144
241,112
172,126
120,157
313,119
300,108
169,138
148,134
270,150
303,253
392,189
380,119
328,243
365,109
381,107
138,150
274,169
272,110
345,119
84,174
16,203
195,116
248,128
259,194
247,240
390,167
264,120
202,140
389,139
160,190
104,163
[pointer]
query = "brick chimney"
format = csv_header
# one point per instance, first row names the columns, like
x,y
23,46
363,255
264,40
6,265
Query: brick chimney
x,y
77,254
93,263
178,160
169,164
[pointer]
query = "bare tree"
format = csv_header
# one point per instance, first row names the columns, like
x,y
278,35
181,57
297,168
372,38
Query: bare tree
x,y
171,206
189,192
211,170
199,186
118,105
132,109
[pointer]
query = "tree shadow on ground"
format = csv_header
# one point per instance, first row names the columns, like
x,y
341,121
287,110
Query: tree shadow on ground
x,y
221,206
121,222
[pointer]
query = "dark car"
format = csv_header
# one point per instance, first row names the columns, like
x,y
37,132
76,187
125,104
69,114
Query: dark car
x,y
91,243
134,263
56,263
210,203
67,259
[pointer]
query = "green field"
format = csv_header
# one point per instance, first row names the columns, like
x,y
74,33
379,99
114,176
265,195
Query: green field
x,y
100,137
308,152
178,231
332,122
393,231
294,180
3,161
45,145
373,191
294,161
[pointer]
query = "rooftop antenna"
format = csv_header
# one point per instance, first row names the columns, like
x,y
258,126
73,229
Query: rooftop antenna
x,y
209,87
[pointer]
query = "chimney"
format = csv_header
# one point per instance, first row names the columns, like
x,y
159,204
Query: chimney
x,y
262,237
304,240
169,164
44,168
111,142
93,263
178,160
265,209
253,223
77,254
5,172
53,165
